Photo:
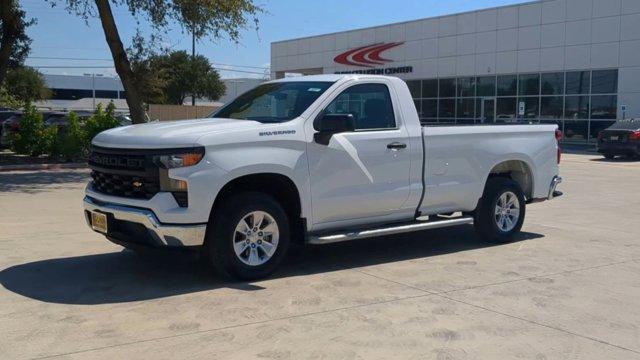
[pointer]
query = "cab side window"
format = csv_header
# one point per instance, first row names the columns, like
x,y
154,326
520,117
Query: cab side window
x,y
370,105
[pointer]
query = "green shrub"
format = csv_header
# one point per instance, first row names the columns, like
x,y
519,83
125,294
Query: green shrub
x,y
101,120
48,143
31,138
71,143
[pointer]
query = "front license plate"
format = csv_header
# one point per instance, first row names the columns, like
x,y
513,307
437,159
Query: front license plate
x,y
99,222
614,138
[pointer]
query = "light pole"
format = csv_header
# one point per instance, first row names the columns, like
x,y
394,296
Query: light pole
x,y
93,86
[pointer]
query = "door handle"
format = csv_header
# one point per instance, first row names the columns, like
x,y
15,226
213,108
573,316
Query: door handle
x,y
396,146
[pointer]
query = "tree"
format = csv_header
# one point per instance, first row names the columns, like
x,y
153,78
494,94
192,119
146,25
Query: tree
x,y
186,76
149,78
203,17
14,42
26,84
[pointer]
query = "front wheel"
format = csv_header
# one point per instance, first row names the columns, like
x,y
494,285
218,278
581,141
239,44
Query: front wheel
x,y
249,236
609,156
501,210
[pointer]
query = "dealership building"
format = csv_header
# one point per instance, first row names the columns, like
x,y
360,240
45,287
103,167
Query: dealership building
x,y
571,62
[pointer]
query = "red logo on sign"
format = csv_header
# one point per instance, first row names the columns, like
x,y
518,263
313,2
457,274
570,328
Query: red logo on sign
x,y
367,56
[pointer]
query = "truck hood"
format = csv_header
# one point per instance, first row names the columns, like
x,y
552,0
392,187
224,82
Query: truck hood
x,y
171,134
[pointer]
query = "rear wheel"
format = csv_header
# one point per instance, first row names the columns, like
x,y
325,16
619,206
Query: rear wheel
x,y
501,210
249,236
609,156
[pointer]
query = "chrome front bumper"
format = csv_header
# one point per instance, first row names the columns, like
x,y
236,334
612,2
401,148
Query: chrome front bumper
x,y
552,188
161,235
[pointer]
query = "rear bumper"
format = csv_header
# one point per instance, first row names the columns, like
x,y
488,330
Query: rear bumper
x,y
553,193
138,227
622,148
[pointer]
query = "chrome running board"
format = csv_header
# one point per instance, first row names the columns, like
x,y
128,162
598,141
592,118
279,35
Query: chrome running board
x,y
388,230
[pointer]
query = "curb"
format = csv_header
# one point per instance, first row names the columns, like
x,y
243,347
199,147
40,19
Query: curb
x,y
42,166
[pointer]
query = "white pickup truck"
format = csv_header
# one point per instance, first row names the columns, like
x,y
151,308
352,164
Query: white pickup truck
x,y
315,159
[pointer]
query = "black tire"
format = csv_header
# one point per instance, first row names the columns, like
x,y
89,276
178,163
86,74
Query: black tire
x,y
221,235
609,156
486,220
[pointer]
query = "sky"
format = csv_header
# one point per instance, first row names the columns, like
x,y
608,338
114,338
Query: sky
x,y
59,34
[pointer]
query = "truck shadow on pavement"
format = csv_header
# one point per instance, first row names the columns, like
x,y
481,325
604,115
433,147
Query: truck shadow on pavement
x,y
33,182
125,276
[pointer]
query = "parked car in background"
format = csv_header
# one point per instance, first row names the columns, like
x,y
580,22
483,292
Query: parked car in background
x,y
10,121
621,138
5,113
9,126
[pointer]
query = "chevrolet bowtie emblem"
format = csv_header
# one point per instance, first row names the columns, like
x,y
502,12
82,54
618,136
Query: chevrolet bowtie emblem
x,y
137,184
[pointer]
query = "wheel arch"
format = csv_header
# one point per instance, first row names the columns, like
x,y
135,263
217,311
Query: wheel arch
x,y
280,187
519,170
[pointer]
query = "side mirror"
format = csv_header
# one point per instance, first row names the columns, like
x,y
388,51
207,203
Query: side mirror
x,y
329,124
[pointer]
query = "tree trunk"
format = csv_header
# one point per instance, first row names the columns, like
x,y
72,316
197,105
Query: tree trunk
x,y
121,62
9,34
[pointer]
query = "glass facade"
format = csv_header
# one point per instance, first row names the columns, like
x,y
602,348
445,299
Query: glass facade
x,y
581,102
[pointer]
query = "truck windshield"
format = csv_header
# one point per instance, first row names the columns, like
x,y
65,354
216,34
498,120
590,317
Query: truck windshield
x,y
274,102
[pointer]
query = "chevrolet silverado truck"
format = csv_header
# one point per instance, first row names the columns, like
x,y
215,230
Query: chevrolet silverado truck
x,y
316,160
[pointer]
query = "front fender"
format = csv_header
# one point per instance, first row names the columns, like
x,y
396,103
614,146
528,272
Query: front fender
x,y
284,158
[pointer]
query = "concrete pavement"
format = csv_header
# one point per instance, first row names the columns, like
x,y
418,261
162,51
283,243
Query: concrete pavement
x,y
567,288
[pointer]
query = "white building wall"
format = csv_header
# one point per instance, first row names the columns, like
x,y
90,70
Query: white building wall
x,y
541,36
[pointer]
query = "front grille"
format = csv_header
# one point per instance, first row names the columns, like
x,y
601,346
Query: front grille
x,y
130,186
124,173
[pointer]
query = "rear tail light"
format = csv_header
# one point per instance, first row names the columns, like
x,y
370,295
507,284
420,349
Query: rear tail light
x,y
559,137
600,135
634,135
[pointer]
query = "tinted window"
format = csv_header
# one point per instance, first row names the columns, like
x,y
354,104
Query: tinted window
x,y
604,82
604,107
507,85
506,109
551,107
578,82
447,108
466,87
576,130
531,106
486,86
552,84
529,84
465,108
430,108
430,88
70,94
415,87
274,102
370,105
576,107
447,88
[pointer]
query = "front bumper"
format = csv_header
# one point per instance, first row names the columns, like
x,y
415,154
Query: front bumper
x,y
140,227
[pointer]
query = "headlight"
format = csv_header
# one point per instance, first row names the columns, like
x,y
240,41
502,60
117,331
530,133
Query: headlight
x,y
177,159
172,161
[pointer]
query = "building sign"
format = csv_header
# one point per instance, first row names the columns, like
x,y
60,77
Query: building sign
x,y
369,57
521,108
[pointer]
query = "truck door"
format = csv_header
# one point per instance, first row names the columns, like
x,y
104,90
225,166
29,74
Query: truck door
x,y
364,173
